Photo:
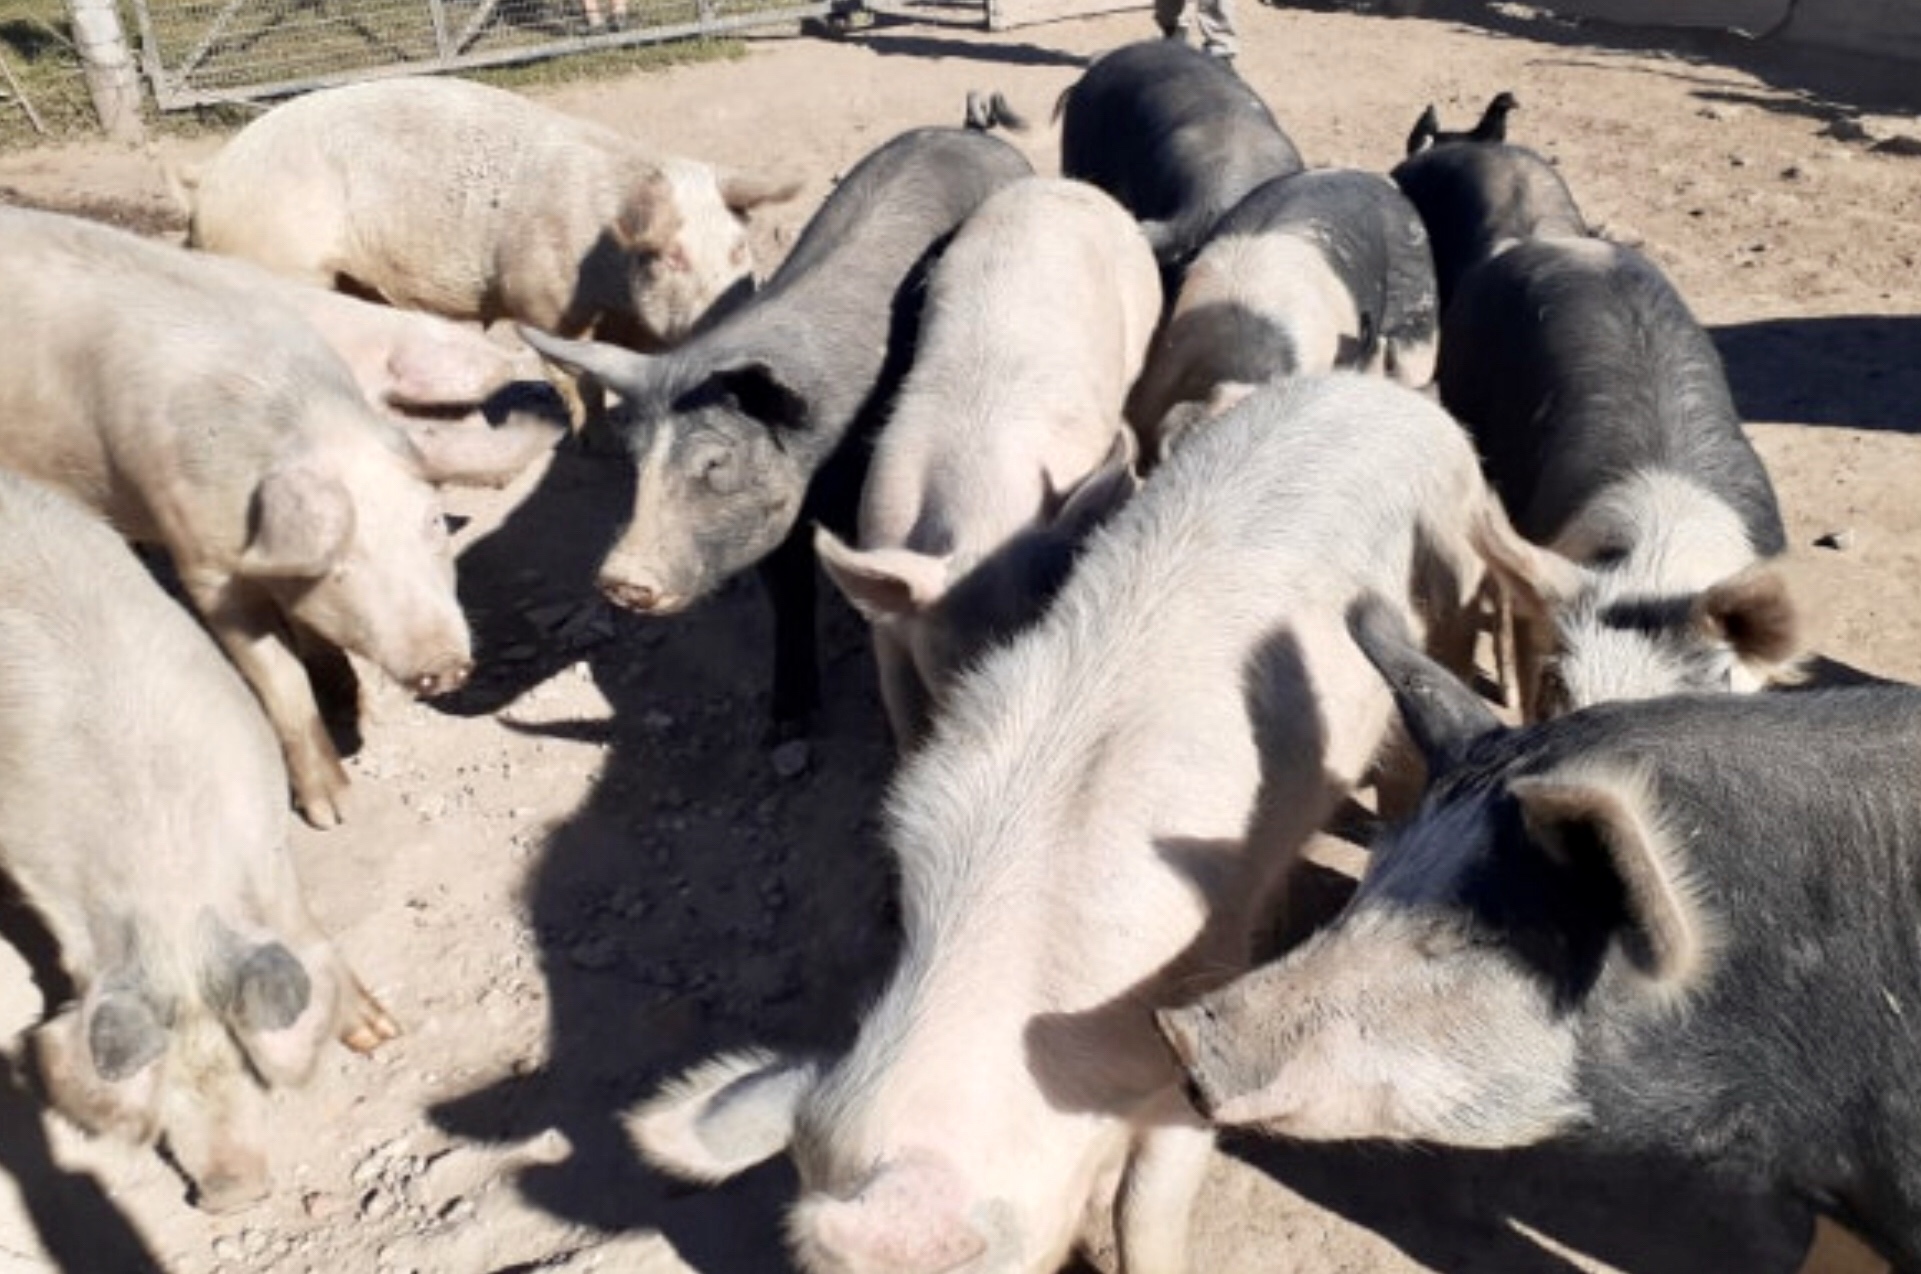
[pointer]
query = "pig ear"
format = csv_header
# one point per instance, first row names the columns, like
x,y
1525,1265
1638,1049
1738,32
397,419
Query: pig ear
x,y
1578,816
649,220
269,1001
724,1116
1092,500
100,1061
1754,613
1185,416
1444,717
761,393
882,583
621,370
911,1214
300,524
744,192
1536,579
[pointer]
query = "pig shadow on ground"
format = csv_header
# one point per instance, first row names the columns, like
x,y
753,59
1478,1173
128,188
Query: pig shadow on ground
x,y
1483,1210
1004,52
698,899
1855,370
1831,80
73,1215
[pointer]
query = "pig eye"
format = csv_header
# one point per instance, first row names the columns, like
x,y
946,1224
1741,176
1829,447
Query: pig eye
x,y
1608,556
719,473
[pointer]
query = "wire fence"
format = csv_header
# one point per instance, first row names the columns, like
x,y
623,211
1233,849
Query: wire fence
x,y
199,52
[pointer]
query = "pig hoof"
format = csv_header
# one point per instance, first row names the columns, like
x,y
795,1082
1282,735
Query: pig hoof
x,y
221,1193
370,1026
323,812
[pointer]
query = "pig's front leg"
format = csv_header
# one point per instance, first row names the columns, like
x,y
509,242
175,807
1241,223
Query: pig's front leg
x,y
1155,1209
249,628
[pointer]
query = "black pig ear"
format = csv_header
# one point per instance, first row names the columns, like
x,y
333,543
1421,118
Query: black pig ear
x,y
126,1033
622,370
1614,819
1443,717
760,392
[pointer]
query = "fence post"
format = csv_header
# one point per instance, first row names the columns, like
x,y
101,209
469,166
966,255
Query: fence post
x,y
112,80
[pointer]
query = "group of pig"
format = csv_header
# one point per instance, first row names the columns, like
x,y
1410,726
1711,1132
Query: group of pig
x,y
1649,916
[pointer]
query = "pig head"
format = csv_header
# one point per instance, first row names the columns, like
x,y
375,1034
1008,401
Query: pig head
x,y
191,1064
1447,1003
724,450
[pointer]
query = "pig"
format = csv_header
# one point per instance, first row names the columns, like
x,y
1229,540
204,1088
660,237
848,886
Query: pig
x,y
472,202
1006,444
1683,927
1093,829
206,418
1477,200
1176,136
760,426
1491,127
440,381
1644,517
144,819
1310,272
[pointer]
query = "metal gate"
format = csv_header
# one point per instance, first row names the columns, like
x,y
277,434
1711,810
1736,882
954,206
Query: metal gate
x,y
198,52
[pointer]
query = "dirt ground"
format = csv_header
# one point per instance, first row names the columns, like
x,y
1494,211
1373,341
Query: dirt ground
x,y
584,873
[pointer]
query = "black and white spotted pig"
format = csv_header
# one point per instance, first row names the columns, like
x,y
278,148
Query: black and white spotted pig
x,y
144,817
758,427
1478,199
1311,272
1175,136
1645,517
1685,927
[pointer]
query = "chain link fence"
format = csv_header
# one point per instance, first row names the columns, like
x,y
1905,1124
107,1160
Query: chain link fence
x,y
200,52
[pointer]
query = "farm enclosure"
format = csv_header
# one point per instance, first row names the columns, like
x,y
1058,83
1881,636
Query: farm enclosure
x,y
589,873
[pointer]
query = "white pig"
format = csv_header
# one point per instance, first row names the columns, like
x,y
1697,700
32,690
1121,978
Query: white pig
x,y
1038,318
476,203
204,417
442,382
1094,829
144,818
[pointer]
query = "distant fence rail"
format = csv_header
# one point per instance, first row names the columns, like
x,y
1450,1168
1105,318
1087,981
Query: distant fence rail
x,y
199,52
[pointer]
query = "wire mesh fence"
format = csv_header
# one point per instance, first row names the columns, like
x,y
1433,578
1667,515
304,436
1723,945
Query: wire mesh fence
x,y
43,94
198,52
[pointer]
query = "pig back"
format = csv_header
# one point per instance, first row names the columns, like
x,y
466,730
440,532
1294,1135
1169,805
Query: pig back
x,y
898,202
1575,364
104,680
841,315
413,188
141,377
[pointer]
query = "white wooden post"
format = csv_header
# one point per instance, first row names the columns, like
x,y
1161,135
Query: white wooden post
x,y
112,80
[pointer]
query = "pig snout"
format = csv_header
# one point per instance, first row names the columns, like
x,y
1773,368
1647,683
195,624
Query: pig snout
x,y
1183,1030
238,1183
639,592
444,678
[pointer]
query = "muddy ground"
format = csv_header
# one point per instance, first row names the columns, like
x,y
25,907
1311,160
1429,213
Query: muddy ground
x,y
584,872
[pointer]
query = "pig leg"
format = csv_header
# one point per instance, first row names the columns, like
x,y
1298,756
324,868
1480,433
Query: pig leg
x,y
1156,1205
249,628
788,574
358,1020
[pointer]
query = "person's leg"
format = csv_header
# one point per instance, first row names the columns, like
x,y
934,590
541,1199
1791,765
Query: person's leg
x,y
1215,18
